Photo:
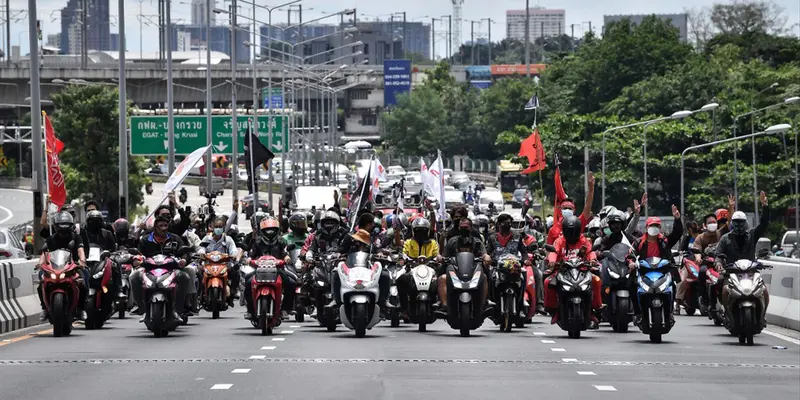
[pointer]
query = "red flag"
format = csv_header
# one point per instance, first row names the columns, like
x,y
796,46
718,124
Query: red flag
x,y
532,149
561,195
55,179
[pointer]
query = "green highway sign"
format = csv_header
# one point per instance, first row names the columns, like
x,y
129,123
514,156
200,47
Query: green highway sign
x,y
149,134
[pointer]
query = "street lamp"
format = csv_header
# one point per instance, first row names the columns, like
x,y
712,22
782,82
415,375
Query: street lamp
x,y
772,130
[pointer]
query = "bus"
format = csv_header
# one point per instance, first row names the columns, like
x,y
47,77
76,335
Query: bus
x,y
510,178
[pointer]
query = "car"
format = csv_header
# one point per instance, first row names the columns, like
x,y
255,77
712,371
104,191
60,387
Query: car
x,y
10,246
247,205
491,197
518,198
453,198
395,170
790,238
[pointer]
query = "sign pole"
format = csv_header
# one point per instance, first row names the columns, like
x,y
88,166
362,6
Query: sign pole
x,y
123,120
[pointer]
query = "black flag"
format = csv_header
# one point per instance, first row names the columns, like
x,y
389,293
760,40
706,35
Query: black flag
x,y
361,198
255,153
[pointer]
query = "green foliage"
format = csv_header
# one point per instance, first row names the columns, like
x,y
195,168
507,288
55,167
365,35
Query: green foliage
x,y
10,170
86,120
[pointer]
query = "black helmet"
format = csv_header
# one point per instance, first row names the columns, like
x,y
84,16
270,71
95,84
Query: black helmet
x,y
329,223
94,220
64,221
298,223
571,229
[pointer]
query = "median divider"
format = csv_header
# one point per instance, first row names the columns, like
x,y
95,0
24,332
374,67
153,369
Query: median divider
x,y
19,304
783,281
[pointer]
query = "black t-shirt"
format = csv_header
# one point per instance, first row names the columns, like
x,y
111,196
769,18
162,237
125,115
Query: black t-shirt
x,y
58,242
105,239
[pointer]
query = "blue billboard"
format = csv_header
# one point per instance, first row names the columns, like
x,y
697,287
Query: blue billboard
x,y
478,72
274,100
396,80
480,84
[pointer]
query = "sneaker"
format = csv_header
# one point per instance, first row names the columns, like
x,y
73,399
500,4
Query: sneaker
x,y
141,320
176,316
332,304
554,319
594,323
44,317
490,303
248,316
637,320
137,311
122,296
540,310
82,315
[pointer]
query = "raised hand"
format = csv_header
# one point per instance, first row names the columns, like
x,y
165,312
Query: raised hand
x,y
675,212
763,198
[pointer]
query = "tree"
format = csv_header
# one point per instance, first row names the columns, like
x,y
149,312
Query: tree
x,y
86,120
741,17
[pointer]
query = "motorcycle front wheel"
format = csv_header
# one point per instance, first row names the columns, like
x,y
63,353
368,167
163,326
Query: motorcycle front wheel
x,y
360,320
59,316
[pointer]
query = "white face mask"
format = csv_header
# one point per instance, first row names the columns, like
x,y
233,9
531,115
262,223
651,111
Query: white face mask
x,y
711,227
567,213
653,230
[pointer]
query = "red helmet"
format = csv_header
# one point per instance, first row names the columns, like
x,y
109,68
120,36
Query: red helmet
x,y
722,214
653,221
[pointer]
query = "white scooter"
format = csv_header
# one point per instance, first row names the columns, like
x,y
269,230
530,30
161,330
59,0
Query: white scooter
x,y
423,294
359,290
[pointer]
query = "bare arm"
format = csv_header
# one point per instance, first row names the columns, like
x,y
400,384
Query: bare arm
x,y
587,207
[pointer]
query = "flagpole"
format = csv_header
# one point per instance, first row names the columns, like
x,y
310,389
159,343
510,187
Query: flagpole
x,y
252,171
46,186
541,187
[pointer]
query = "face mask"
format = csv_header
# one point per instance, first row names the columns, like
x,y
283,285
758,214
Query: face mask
x,y
607,231
653,230
463,232
711,227
94,225
567,213
219,231
505,227
421,236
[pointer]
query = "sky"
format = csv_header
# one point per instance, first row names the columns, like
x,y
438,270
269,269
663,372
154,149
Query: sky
x,y
578,12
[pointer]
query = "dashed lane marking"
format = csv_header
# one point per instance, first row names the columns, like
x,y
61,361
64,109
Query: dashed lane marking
x,y
241,371
257,357
268,348
278,339
569,360
558,349
548,341
604,388
294,326
222,386
586,373
287,332
6,342
539,334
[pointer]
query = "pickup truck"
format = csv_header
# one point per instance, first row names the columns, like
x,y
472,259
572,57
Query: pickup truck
x,y
217,186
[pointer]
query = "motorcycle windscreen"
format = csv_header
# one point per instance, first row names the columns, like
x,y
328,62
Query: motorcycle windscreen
x,y
94,253
619,252
358,259
60,258
465,265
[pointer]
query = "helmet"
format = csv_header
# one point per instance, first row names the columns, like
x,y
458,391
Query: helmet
x,y
502,217
723,214
298,223
616,216
329,223
403,221
739,223
517,224
571,228
594,224
389,219
94,215
121,227
64,221
270,228
605,211
28,229
255,220
482,223
309,218
233,231
421,228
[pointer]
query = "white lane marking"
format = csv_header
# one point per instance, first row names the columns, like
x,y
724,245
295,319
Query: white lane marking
x,y
782,337
287,332
294,326
603,388
222,386
539,334
240,371
278,339
586,373
257,357
268,348
548,341
569,359
558,349
10,215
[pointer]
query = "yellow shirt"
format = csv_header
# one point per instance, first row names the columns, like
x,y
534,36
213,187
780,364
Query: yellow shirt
x,y
411,248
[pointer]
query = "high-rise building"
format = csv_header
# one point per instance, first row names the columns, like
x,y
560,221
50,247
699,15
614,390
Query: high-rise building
x,y
543,23
53,40
219,39
97,26
199,12
680,21
115,42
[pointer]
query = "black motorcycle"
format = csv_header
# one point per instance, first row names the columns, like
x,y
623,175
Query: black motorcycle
x,y
319,279
465,299
573,282
101,301
616,290
509,285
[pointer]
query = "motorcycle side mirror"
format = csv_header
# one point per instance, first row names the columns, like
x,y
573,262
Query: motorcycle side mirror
x,y
763,253
550,247
105,254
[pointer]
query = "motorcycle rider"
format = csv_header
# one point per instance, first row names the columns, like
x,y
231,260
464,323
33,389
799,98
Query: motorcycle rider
x,y
655,244
270,243
161,241
28,240
567,208
97,234
328,237
65,238
363,241
467,240
571,242
419,245
217,240
614,233
740,243
298,230
506,240
123,234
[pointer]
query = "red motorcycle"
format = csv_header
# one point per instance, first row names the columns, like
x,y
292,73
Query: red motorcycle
x,y
267,292
60,290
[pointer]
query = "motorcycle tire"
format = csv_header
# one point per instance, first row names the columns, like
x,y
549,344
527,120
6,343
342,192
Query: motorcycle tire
x,y
657,318
574,334
157,316
330,319
422,315
263,323
214,305
58,314
122,310
465,320
746,316
360,320
623,319
394,317
299,315
690,310
717,319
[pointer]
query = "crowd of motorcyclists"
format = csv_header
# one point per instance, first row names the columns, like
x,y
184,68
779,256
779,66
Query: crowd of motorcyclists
x,y
522,255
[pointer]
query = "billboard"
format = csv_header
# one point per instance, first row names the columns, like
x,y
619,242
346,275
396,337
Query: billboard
x,y
478,73
520,69
396,80
480,84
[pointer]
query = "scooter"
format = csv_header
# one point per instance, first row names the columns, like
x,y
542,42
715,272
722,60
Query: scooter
x,y
160,282
465,300
101,301
359,310
508,291
573,283
655,297
395,271
125,259
215,283
716,312
321,292
267,292
697,295
60,290
616,292
423,294
746,306
302,301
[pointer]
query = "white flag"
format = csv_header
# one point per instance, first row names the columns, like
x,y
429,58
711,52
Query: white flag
x,y
377,175
425,176
437,183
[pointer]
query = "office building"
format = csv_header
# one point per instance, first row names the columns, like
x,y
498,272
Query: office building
x,y
97,29
679,21
53,40
218,40
114,42
543,23
199,12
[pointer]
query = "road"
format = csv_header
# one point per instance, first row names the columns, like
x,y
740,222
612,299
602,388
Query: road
x,y
15,207
303,361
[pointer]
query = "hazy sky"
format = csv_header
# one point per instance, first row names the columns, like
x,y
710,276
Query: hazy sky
x,y
578,12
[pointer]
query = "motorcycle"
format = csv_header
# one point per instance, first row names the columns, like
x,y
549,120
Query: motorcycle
x,y
215,283
267,292
302,301
125,259
160,282
359,310
697,295
395,271
746,304
321,292
616,293
656,297
60,290
423,294
101,301
465,300
508,291
573,283
716,312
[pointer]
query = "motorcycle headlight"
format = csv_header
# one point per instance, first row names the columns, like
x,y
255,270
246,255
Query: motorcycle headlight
x,y
53,276
613,274
584,286
645,283
224,271
664,283
320,283
215,258
63,275
475,279
166,280
147,282
565,287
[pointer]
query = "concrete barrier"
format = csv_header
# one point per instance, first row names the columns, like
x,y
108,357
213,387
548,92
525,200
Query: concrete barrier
x,y
783,281
19,304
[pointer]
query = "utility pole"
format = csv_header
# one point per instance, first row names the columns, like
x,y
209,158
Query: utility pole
x,y
123,119
450,36
36,125
235,133
490,41
528,38
391,37
8,35
252,173
83,35
209,105
170,94
472,41
433,39
405,43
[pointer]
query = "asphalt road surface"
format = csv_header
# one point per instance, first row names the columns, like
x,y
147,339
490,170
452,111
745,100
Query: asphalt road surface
x,y
227,359
16,207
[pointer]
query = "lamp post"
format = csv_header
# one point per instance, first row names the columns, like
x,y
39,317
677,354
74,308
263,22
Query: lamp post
x,y
775,129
